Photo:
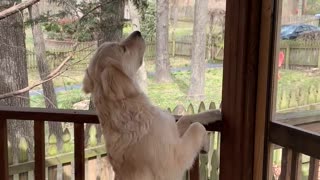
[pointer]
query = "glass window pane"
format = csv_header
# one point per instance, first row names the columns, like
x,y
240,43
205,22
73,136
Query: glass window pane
x,y
297,79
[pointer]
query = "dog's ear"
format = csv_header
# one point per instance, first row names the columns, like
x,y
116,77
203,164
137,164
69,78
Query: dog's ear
x,y
87,83
116,84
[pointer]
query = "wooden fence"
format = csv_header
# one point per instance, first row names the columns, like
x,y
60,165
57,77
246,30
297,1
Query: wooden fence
x,y
301,54
58,50
301,96
305,19
297,53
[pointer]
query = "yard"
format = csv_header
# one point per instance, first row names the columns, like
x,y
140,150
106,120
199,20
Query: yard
x,y
171,94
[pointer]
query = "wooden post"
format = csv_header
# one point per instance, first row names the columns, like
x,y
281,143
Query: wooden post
x,y
3,149
92,162
313,169
285,164
66,148
79,151
287,58
23,156
214,166
319,57
173,44
52,151
195,171
39,150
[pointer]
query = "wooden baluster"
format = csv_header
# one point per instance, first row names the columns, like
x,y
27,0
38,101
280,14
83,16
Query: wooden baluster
x,y
39,150
79,151
295,166
3,149
313,169
194,171
285,164
290,165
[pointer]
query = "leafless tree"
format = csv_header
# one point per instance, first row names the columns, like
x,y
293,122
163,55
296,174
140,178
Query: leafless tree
x,y
198,64
44,70
13,74
162,38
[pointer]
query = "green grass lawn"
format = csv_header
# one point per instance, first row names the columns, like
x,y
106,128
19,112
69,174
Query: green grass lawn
x,y
164,95
171,94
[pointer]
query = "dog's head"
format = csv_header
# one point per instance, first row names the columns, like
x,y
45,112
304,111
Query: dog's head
x,y
113,67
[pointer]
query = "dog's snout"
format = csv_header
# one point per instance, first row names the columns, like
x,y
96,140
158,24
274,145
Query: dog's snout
x,y
137,34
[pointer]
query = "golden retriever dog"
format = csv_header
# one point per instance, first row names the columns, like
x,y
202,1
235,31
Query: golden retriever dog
x,y
143,141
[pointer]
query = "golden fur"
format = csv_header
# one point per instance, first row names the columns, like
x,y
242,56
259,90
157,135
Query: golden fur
x,y
143,142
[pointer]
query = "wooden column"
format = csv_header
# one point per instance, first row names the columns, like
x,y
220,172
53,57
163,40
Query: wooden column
x,y
240,77
79,151
39,150
3,149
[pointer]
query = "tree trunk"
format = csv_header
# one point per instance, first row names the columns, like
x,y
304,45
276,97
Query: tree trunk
x,y
142,73
198,56
14,75
111,25
162,37
111,20
50,97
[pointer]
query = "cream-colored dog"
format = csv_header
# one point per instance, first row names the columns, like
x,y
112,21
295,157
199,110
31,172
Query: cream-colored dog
x,y
143,142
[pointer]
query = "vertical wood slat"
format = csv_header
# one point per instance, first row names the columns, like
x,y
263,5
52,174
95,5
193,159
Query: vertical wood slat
x,y
295,166
313,169
39,150
4,171
290,165
285,164
79,158
194,171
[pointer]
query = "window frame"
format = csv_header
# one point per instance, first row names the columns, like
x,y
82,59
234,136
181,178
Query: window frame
x,y
248,131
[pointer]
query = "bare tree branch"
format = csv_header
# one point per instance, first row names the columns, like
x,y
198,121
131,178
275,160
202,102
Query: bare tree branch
x,y
51,76
16,8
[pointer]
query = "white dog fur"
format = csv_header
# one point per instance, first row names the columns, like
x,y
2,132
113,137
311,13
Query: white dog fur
x,y
143,142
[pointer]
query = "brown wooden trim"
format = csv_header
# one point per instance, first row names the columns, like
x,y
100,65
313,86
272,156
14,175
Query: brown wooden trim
x,y
39,150
268,37
313,169
3,149
79,156
295,138
195,171
240,76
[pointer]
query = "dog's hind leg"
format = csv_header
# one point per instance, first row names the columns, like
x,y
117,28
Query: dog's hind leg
x,y
190,145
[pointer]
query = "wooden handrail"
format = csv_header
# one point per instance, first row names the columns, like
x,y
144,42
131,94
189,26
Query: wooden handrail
x,y
43,114
295,138
63,115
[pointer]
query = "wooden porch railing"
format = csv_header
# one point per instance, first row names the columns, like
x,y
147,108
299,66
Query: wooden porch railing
x,y
39,116
290,133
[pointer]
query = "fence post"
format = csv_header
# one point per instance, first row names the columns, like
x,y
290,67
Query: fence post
x,y
203,157
23,156
319,58
92,162
52,151
67,147
173,44
287,64
10,157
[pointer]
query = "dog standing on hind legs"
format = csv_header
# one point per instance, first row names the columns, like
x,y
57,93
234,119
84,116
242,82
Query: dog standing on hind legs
x,y
143,142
